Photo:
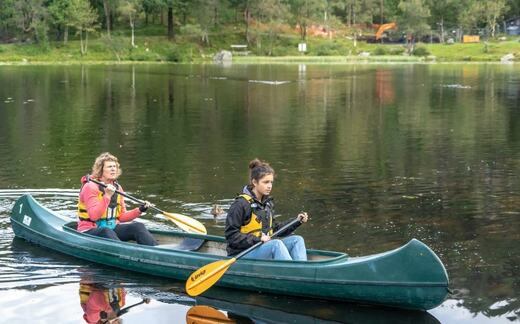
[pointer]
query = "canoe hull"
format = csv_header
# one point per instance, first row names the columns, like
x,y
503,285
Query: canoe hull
x,y
410,277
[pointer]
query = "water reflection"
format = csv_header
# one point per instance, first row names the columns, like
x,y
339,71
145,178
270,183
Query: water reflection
x,y
378,154
101,304
26,266
201,314
104,289
281,309
102,300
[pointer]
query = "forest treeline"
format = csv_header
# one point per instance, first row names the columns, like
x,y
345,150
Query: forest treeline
x,y
43,22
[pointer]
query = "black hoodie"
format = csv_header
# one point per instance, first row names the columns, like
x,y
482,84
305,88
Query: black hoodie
x,y
239,214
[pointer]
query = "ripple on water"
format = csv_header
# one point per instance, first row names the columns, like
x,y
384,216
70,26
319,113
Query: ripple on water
x,y
23,264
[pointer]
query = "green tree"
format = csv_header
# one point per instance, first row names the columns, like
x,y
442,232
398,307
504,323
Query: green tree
x,y
84,20
206,14
247,17
492,11
30,17
329,19
413,19
129,11
61,14
246,7
444,13
107,10
391,10
150,8
7,18
169,5
271,12
237,6
306,12
513,9
470,16
183,7
358,11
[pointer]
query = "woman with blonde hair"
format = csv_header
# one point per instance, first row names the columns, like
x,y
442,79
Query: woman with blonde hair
x,y
102,211
250,220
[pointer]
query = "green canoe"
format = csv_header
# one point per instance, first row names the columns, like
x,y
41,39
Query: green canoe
x,y
410,277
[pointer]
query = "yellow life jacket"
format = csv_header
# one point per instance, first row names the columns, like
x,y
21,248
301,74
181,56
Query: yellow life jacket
x,y
113,296
110,215
255,223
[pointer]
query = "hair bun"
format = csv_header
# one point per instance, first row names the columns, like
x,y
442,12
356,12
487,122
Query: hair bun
x,y
258,169
254,163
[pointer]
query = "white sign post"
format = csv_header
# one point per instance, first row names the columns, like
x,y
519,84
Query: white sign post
x,y
302,47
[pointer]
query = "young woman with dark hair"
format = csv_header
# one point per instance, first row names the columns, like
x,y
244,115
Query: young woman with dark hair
x,y
250,220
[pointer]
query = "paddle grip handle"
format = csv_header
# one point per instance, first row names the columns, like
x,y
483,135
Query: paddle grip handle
x,y
123,194
286,226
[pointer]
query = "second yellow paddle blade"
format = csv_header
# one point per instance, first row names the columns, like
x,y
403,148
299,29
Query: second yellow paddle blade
x,y
201,314
203,278
186,223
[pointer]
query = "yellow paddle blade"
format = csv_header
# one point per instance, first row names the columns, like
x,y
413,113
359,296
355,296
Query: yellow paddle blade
x,y
186,223
205,277
201,314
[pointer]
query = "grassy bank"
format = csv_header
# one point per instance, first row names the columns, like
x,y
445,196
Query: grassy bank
x,y
264,49
333,59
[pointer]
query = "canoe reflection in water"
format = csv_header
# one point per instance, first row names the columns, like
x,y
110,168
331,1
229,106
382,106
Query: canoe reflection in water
x,y
242,307
102,304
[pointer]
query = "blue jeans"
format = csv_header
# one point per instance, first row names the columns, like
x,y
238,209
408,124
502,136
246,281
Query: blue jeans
x,y
289,248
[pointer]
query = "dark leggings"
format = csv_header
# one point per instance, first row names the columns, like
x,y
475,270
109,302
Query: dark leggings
x,y
126,232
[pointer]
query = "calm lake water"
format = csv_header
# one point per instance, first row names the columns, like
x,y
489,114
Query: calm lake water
x,y
377,154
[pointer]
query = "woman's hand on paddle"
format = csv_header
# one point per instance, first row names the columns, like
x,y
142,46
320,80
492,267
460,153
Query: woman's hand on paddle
x,y
265,238
303,217
109,190
144,206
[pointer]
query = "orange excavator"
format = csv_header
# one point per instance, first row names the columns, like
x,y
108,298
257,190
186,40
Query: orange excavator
x,y
382,28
